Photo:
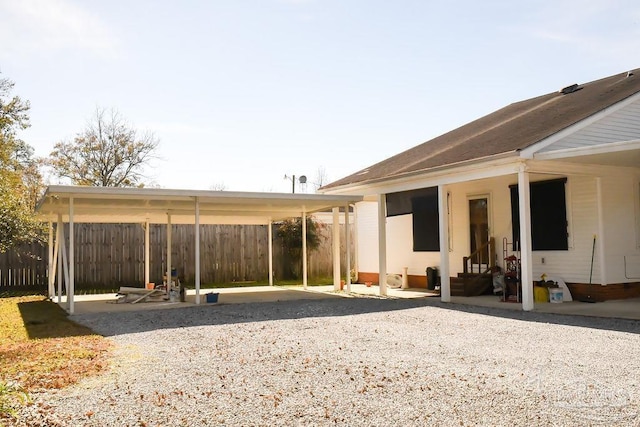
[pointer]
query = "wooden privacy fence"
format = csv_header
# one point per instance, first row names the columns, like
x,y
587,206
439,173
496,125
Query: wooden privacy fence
x,y
24,269
108,256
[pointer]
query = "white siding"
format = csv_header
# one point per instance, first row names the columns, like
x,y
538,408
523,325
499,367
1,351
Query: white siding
x,y
621,125
367,223
574,265
620,200
400,248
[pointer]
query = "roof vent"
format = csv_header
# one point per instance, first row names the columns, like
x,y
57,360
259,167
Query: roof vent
x,y
629,73
569,89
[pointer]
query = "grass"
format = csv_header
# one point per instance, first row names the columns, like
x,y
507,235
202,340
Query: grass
x,y
41,348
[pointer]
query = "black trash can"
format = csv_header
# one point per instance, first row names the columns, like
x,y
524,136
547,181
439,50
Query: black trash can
x,y
432,278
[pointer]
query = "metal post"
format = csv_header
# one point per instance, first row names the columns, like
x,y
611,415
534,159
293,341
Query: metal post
x,y
304,250
60,262
197,248
146,252
71,289
168,290
336,248
270,247
347,245
50,279
382,244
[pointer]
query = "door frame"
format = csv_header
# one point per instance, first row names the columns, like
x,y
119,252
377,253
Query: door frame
x,y
479,196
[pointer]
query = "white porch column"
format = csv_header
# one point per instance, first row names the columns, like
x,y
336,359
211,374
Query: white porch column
x,y
197,249
270,248
347,245
168,253
335,231
146,252
50,273
304,250
71,289
355,241
443,228
600,237
526,260
382,243
59,256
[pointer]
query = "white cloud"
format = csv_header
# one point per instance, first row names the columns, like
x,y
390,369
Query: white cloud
x,y
49,25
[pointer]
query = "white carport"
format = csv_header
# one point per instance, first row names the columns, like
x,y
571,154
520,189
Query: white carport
x,y
74,204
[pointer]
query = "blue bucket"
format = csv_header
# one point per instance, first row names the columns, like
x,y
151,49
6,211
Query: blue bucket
x,y
555,295
212,297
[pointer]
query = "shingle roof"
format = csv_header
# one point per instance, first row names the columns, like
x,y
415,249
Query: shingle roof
x,y
504,131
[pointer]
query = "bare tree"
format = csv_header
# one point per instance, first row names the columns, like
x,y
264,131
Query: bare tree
x,y
108,153
321,178
218,186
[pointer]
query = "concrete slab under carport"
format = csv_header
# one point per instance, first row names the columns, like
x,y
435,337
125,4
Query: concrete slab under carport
x,y
101,303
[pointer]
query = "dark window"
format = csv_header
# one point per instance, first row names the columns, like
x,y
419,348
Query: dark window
x,y
423,204
548,215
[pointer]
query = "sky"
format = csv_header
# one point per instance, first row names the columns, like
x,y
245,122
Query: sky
x,y
241,93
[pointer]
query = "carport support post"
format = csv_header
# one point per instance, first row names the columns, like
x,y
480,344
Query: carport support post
x,y
50,289
336,248
59,247
347,245
382,244
71,289
168,289
197,238
270,247
55,254
355,241
443,228
526,274
65,263
146,252
304,249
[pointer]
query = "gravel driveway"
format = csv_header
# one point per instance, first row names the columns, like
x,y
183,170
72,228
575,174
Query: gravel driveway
x,y
354,362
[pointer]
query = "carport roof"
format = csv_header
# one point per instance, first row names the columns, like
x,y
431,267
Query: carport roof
x,y
129,205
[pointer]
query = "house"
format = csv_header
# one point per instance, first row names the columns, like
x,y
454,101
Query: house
x,y
552,182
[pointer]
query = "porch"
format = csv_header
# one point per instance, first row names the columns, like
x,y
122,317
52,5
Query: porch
x,y
617,309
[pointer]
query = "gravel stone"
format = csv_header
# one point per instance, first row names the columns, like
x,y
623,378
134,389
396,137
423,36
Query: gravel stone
x,y
353,362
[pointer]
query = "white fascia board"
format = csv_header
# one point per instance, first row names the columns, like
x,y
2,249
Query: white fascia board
x,y
171,194
611,147
530,151
556,167
493,167
132,201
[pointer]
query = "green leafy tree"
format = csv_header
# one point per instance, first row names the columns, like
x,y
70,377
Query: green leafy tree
x,y
290,234
107,153
20,179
